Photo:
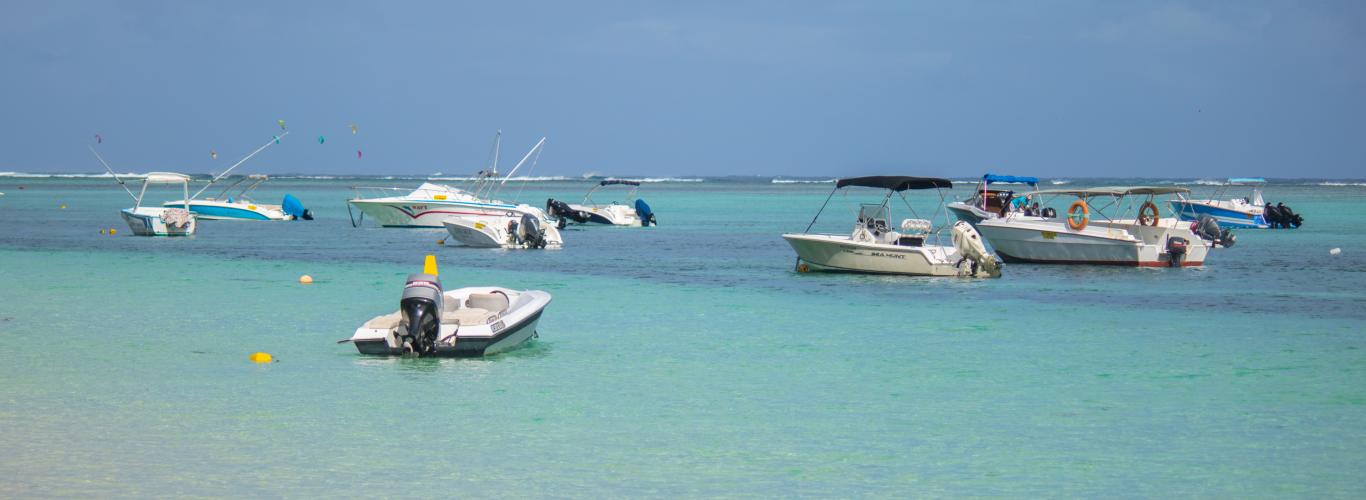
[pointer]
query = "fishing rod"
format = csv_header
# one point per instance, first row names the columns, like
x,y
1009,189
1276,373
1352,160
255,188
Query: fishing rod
x,y
111,172
273,140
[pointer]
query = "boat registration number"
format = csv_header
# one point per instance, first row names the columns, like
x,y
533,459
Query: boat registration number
x,y
497,327
1048,235
417,207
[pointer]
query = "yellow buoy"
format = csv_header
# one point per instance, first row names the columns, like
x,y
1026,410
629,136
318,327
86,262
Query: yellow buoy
x,y
63,206
113,231
261,357
429,265
441,241
305,279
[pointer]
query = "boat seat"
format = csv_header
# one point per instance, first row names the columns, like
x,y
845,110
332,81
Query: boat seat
x,y
916,227
385,322
493,302
467,316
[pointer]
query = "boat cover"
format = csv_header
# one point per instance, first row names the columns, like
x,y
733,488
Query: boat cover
x,y
895,182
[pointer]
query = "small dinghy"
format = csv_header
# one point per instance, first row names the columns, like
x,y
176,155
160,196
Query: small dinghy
x,y
473,321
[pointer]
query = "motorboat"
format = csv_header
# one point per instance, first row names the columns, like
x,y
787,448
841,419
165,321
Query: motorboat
x,y
431,204
874,247
1086,234
472,321
504,231
232,203
160,221
989,203
155,221
1248,212
637,214
237,204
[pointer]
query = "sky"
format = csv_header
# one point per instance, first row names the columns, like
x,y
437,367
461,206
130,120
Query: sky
x,y
1047,88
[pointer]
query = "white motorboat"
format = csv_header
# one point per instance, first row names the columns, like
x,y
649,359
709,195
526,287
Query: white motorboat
x,y
1248,212
155,221
473,321
238,205
1087,235
638,214
874,247
430,204
160,221
988,203
503,231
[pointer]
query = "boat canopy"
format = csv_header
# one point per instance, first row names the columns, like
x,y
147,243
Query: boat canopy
x,y
610,182
1246,180
895,182
991,178
1114,191
166,178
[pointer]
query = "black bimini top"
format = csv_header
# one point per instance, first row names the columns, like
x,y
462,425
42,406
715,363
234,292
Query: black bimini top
x,y
610,182
895,182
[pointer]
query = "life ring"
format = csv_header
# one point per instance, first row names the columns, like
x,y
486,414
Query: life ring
x,y
1078,214
1148,211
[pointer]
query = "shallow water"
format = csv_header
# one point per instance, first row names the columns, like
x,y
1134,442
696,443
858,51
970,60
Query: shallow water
x,y
687,359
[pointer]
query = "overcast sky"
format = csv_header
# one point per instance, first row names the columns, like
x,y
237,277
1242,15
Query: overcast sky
x,y
1106,88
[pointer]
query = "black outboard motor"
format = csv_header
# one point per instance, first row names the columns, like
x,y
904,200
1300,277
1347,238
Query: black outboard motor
x,y
1207,228
421,309
1272,216
1176,250
530,232
560,210
1289,217
308,214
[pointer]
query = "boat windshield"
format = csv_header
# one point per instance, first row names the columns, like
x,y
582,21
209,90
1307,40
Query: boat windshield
x,y
874,215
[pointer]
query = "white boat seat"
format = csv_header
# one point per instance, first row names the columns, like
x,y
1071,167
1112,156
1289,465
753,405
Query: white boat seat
x,y
385,322
468,316
494,302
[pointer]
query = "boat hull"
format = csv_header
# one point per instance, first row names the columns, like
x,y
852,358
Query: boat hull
x,y
428,213
509,331
1043,242
837,253
614,215
1227,217
968,213
147,221
221,210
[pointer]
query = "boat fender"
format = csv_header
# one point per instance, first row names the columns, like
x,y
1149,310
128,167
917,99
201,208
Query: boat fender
x,y
1148,212
1078,214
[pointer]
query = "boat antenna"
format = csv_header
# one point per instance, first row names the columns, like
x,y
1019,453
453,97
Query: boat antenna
x,y
481,180
534,149
111,172
273,140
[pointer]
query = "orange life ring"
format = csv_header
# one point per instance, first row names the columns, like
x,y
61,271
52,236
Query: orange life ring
x,y
1148,206
1078,214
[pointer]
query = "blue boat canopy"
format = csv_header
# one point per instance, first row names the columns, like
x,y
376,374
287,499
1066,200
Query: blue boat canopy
x,y
990,178
1246,180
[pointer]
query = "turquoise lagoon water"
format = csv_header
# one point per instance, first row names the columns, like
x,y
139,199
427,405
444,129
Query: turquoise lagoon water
x,y
687,359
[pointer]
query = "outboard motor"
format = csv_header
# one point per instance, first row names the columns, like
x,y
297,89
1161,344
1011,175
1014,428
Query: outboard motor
x,y
1288,217
295,208
1176,250
1207,228
647,216
561,210
530,232
421,308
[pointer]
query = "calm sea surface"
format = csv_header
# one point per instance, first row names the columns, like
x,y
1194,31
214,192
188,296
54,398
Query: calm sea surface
x,y
687,359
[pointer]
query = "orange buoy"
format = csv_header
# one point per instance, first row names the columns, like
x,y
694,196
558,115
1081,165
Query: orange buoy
x,y
305,279
261,357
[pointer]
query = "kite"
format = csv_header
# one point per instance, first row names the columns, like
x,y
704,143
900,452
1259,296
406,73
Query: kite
x,y
321,139
277,139
100,140
213,154
282,124
353,129
358,154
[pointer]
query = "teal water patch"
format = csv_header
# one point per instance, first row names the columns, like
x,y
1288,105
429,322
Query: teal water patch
x,y
686,359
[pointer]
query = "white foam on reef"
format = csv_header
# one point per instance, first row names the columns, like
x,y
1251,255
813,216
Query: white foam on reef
x,y
1059,182
801,181
1341,184
517,179
105,175
664,179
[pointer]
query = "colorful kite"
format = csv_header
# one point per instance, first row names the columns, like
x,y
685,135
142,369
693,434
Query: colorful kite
x,y
358,154
353,129
277,139
213,154
98,139
321,139
282,124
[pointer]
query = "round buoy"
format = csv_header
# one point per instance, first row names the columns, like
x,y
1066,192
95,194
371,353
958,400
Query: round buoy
x,y
801,268
63,206
113,231
104,231
441,241
1335,251
261,357
305,279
